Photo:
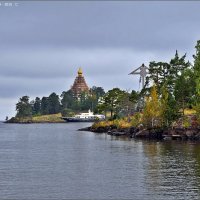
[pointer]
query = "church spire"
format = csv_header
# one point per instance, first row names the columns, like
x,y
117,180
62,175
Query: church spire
x,y
79,85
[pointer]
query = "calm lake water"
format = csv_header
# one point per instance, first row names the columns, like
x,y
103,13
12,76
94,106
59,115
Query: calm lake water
x,y
55,161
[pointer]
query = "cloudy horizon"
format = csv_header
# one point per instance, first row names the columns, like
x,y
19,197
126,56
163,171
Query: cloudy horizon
x,y
44,43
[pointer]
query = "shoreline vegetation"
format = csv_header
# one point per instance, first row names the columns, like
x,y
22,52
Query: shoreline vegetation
x,y
167,107
53,118
127,127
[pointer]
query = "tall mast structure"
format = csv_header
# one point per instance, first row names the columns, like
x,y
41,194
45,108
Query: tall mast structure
x,y
142,71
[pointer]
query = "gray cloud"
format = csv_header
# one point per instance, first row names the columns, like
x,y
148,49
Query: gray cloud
x,y
63,63
138,25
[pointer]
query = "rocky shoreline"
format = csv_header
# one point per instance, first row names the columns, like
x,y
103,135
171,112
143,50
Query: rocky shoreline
x,y
153,133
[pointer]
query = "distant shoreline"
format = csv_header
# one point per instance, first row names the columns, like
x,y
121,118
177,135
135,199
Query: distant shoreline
x,y
53,118
32,122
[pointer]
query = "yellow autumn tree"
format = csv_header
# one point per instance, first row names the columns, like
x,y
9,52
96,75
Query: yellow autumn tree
x,y
164,102
152,110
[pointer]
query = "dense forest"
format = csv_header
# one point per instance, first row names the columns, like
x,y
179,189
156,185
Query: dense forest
x,y
66,103
170,89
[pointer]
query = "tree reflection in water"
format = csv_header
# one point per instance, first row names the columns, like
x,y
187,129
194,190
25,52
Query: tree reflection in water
x,y
173,169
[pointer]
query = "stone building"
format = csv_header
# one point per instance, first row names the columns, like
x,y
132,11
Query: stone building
x,y
79,85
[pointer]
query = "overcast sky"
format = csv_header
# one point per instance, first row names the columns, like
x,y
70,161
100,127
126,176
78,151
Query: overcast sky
x,y
42,44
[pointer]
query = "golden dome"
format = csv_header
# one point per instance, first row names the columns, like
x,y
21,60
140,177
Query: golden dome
x,y
80,72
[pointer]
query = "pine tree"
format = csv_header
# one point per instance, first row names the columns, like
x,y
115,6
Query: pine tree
x,y
162,73
45,106
37,106
54,103
169,110
23,107
197,79
197,67
165,106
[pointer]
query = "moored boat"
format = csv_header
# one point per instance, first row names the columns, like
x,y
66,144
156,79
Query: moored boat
x,y
85,117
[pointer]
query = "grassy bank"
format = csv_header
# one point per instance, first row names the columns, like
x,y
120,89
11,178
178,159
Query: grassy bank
x,y
53,118
118,123
136,120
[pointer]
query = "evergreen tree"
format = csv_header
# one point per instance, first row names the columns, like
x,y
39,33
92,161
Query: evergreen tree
x,y
96,93
67,99
177,66
37,106
54,103
169,110
184,90
197,67
23,107
158,73
84,101
161,73
134,96
197,79
45,105
111,101
127,103
136,99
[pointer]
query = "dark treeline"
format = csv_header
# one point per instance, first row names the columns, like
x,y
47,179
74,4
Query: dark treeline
x,y
66,103
117,102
